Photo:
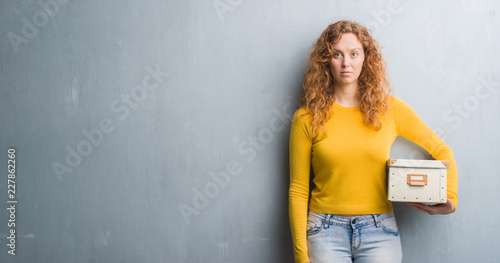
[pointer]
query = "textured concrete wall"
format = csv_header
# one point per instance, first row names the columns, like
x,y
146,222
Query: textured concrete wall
x,y
157,131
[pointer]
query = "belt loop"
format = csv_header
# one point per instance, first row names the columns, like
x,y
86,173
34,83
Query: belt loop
x,y
376,219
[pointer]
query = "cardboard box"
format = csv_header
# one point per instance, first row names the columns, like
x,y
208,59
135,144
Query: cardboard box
x,y
422,181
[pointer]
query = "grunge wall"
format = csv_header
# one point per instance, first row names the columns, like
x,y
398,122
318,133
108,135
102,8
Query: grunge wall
x,y
157,131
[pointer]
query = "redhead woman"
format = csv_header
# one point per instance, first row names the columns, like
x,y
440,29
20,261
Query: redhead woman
x,y
344,129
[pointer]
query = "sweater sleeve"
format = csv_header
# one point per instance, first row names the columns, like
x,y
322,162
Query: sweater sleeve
x,y
410,126
300,162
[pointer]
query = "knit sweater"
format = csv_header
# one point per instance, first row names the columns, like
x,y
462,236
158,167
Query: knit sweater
x,y
349,164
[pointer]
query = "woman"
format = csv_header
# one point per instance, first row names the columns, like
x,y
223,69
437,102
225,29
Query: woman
x,y
344,129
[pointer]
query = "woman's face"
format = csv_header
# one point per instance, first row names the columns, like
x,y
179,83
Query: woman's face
x,y
347,60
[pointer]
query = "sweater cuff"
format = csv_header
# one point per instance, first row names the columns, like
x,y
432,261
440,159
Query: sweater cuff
x,y
300,251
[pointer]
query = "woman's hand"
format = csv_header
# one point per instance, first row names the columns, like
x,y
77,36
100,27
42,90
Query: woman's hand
x,y
441,209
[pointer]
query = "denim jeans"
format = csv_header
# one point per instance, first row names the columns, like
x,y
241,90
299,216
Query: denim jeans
x,y
359,239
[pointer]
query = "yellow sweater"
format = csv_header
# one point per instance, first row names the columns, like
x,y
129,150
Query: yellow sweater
x,y
350,164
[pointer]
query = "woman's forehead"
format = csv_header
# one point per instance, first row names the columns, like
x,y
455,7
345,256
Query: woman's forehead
x,y
348,41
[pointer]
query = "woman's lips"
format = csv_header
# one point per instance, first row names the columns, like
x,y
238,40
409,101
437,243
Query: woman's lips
x,y
345,72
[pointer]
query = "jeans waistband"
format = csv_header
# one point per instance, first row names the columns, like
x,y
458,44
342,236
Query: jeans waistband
x,y
330,219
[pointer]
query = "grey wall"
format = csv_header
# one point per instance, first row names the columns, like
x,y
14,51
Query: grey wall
x,y
157,131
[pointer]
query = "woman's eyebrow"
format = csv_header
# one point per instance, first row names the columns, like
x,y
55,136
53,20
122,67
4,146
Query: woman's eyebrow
x,y
356,48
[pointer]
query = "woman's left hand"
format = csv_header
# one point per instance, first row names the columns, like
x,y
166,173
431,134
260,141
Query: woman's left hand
x,y
440,209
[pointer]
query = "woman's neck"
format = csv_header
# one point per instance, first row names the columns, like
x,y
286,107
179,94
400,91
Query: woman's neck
x,y
347,95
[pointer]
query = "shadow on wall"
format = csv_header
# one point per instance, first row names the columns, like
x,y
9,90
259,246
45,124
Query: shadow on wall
x,y
283,232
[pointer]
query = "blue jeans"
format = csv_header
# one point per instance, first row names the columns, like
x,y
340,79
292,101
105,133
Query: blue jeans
x,y
359,239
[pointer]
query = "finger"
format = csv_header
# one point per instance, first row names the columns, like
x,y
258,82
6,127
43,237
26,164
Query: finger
x,y
429,209
441,209
414,204
420,205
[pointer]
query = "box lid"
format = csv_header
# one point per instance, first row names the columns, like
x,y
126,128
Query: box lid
x,y
408,163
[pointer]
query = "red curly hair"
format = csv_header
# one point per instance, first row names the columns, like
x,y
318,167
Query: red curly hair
x,y
317,95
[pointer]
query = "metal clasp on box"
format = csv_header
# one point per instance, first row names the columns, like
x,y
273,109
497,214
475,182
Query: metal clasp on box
x,y
416,179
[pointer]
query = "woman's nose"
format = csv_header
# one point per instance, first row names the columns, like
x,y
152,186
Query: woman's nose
x,y
345,63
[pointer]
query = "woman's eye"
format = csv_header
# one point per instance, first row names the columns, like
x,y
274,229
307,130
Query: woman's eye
x,y
354,54
336,55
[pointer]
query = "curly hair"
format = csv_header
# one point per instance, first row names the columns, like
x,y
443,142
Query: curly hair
x,y
317,95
